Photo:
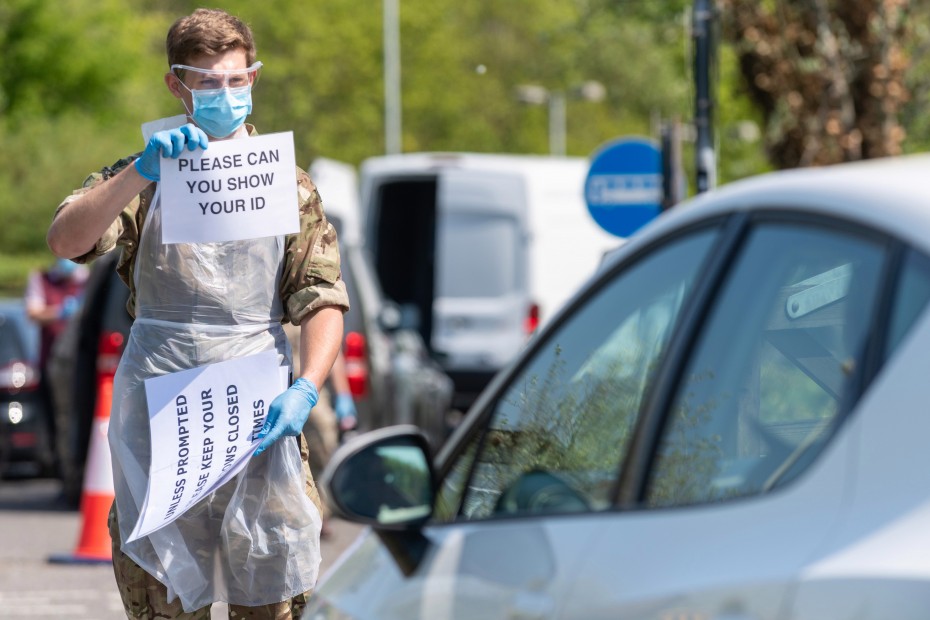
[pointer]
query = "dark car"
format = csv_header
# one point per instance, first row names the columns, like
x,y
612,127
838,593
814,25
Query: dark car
x,y
82,366
25,443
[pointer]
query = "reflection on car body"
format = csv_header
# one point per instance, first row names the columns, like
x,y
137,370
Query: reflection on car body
x,y
726,422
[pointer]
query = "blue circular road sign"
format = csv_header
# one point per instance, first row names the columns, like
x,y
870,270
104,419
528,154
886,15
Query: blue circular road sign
x,y
623,189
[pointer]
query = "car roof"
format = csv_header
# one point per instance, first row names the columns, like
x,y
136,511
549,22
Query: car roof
x,y
426,162
890,194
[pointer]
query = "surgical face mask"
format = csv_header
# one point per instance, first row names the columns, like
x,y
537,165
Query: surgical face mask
x,y
222,111
222,99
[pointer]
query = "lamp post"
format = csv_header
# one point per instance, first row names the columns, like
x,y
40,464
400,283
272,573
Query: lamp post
x,y
392,102
533,94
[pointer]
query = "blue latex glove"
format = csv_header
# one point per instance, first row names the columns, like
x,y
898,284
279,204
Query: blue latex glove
x,y
346,414
69,306
170,143
288,413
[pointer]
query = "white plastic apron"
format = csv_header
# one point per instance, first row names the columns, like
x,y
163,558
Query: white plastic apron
x,y
256,540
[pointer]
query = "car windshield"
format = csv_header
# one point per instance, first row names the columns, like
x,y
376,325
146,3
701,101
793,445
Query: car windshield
x,y
12,344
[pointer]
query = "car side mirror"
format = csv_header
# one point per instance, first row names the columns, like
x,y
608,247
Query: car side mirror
x,y
385,479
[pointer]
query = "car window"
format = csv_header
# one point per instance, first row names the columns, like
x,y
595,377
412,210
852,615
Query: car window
x,y
774,368
11,343
479,255
557,434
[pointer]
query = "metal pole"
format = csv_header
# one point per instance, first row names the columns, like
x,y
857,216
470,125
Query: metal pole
x,y
705,158
673,178
392,101
557,124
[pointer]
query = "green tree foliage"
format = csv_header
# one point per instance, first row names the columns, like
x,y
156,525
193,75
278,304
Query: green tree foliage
x,y
914,117
81,75
829,76
71,94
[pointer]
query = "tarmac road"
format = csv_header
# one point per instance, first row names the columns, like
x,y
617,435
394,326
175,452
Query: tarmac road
x,y
34,527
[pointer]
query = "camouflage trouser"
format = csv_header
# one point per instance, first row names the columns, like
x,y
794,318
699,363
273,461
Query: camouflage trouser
x,y
145,598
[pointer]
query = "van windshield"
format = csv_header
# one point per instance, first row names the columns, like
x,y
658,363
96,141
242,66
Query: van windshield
x,y
478,255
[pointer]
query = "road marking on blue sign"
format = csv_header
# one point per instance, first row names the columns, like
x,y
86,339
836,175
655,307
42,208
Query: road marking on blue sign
x,y
629,189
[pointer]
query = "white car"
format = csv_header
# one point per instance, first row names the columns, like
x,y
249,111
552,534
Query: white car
x,y
730,421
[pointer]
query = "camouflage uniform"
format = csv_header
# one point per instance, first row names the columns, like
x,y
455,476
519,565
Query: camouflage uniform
x,y
310,280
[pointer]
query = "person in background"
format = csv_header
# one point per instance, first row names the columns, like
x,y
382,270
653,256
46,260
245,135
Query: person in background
x,y
52,296
343,402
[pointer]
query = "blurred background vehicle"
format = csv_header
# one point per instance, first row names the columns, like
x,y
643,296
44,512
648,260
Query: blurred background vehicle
x,y
82,367
728,421
391,375
479,250
393,378
25,441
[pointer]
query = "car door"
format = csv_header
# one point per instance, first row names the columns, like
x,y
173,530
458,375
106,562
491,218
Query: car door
x,y
877,563
741,466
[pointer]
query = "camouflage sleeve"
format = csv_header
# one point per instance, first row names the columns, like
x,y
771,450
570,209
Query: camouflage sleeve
x,y
125,229
312,277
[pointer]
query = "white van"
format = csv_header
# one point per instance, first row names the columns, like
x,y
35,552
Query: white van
x,y
479,249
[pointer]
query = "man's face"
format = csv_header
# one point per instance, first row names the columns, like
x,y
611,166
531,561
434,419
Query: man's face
x,y
229,60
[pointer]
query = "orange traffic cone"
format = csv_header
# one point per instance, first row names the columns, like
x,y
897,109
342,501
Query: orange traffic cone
x,y
94,544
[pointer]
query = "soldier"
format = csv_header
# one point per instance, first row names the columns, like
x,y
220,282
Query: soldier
x,y
255,542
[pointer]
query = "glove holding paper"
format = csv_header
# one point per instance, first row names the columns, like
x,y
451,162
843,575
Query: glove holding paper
x,y
169,143
288,413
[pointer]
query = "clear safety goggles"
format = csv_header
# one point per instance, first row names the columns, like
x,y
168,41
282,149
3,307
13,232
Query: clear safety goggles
x,y
195,78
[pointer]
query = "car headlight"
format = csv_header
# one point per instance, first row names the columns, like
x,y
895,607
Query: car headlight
x,y
18,376
14,412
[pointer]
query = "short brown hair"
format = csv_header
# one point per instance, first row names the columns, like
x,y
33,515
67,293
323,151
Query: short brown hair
x,y
208,32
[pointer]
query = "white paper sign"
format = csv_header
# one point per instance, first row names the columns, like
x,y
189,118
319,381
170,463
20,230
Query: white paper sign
x,y
203,425
235,189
